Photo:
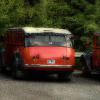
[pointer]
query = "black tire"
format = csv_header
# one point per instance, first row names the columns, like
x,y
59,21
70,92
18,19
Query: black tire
x,y
0,63
3,70
2,67
65,75
17,72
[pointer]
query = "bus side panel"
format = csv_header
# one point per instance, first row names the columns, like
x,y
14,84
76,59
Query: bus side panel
x,y
96,58
13,41
96,52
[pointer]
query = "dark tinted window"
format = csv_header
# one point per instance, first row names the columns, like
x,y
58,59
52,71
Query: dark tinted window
x,y
47,40
40,38
58,38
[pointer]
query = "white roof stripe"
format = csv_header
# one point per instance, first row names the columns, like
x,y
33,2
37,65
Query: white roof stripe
x,y
42,30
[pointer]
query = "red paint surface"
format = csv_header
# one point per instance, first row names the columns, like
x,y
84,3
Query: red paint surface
x,y
48,53
96,53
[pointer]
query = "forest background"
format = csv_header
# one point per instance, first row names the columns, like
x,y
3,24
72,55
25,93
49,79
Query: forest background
x,y
81,17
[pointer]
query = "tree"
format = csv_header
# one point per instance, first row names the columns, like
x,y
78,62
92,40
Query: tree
x,y
79,16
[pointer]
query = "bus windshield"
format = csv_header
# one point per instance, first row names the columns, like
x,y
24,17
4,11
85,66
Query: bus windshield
x,y
47,40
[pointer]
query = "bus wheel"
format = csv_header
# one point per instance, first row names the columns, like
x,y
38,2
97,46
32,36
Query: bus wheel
x,y
2,67
3,70
64,76
17,74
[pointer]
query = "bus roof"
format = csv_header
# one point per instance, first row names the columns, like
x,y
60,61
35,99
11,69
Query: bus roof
x,y
34,30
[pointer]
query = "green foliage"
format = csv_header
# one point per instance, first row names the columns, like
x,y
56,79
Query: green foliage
x,y
79,16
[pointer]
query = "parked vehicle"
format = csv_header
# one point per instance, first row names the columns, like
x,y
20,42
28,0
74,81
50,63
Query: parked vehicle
x,y
38,49
90,60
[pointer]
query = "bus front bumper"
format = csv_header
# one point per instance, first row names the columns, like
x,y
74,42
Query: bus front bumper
x,y
49,67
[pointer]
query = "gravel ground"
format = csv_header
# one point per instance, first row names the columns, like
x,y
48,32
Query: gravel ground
x,y
78,88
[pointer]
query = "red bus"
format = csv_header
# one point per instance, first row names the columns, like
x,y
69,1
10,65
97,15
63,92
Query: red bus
x,y
38,49
90,60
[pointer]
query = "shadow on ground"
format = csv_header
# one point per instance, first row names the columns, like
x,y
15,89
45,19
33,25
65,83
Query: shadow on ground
x,y
95,77
37,78
53,77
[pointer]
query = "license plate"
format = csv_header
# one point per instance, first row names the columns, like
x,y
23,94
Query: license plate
x,y
51,61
